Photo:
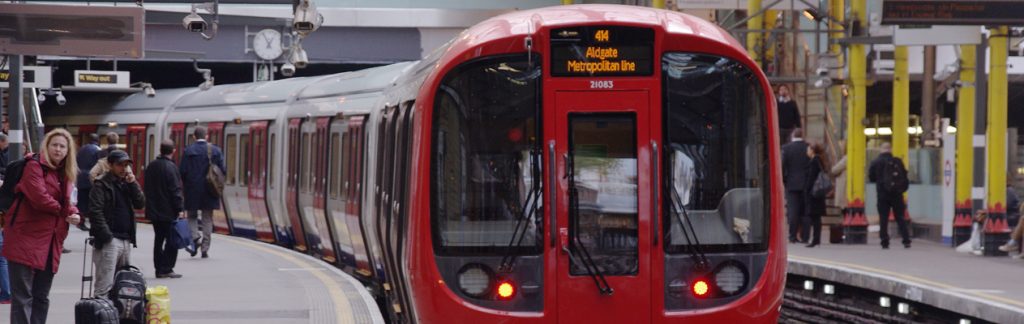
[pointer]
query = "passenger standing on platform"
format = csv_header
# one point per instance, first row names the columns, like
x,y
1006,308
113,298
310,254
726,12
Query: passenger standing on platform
x,y
38,224
114,198
815,207
794,176
87,157
1014,209
163,207
789,114
4,159
196,161
112,139
882,172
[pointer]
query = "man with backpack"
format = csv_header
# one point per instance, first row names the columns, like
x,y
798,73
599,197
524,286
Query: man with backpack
x,y
114,198
891,181
201,194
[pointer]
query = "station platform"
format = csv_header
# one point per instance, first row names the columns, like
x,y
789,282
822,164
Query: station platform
x,y
988,288
242,281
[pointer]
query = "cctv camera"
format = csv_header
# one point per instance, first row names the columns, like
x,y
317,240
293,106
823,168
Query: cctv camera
x,y
307,18
287,69
821,71
150,92
206,85
822,82
299,57
194,23
42,96
60,98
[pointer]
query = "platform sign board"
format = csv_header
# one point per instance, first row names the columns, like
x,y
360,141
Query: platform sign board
x,y
936,35
952,12
32,77
102,79
948,182
72,30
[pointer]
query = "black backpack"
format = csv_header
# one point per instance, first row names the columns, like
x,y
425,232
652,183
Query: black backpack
x,y
11,178
894,176
129,295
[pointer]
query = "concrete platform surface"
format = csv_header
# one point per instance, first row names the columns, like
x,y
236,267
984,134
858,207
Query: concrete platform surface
x,y
243,281
990,288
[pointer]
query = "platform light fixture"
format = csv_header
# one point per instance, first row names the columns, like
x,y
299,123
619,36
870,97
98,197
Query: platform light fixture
x,y
884,131
965,321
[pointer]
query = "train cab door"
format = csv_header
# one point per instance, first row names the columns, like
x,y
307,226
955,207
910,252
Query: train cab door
x,y
602,150
338,172
312,176
296,158
257,181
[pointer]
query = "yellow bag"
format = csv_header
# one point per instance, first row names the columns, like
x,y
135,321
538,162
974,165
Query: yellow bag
x,y
158,305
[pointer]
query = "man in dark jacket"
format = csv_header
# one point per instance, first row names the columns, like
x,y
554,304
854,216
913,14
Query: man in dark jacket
x,y
87,157
196,161
163,208
113,199
789,113
794,175
112,139
888,201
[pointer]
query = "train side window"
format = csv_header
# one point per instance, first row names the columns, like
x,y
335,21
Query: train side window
x,y
346,166
244,158
335,166
271,171
305,163
486,127
232,158
153,150
715,154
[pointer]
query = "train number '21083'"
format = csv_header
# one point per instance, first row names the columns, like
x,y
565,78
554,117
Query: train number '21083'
x,y
602,84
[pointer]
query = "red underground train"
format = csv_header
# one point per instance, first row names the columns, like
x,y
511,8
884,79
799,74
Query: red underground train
x,y
571,164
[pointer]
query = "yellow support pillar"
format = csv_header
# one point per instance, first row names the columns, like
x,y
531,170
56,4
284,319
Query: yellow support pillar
x,y
568,2
856,141
660,4
901,106
965,146
754,37
996,230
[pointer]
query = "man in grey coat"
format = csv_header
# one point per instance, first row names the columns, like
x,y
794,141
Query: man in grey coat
x,y
195,162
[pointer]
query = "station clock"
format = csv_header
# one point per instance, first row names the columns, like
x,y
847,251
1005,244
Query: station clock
x,y
267,44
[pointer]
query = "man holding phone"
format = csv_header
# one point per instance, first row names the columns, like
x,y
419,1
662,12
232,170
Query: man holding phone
x,y
114,197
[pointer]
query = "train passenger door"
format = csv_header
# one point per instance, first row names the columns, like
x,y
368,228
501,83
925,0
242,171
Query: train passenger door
x,y
257,175
180,141
135,146
221,223
236,189
337,213
295,161
602,144
312,175
353,190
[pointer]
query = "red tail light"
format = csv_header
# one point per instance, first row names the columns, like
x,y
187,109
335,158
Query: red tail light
x,y
700,288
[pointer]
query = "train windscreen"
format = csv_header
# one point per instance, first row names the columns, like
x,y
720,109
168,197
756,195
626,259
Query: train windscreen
x,y
716,155
485,163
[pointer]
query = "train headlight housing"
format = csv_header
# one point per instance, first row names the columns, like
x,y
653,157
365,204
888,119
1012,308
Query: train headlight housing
x,y
475,280
730,279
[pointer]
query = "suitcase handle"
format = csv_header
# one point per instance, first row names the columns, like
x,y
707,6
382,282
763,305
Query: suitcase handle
x,y
87,271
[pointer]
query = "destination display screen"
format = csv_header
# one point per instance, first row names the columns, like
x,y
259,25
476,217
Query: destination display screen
x,y
602,51
952,12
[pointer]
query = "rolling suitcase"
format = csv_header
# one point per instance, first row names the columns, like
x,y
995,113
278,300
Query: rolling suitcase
x,y
92,310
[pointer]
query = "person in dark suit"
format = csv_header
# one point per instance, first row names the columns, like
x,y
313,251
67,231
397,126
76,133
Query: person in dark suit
x,y
888,202
87,157
815,207
789,113
194,165
794,176
163,208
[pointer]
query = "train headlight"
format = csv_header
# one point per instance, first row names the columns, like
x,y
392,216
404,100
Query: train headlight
x,y
475,280
506,290
730,278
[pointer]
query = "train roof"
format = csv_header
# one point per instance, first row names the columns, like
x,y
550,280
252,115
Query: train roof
x,y
373,79
137,108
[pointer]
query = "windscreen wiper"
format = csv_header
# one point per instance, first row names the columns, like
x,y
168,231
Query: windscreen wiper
x,y
528,211
692,245
593,270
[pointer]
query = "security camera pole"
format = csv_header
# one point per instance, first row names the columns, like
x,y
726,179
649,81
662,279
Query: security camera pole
x,y
14,108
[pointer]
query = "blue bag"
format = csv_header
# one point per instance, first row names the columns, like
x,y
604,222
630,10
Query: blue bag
x,y
182,236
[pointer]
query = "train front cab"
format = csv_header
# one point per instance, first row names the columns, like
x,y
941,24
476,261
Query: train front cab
x,y
564,196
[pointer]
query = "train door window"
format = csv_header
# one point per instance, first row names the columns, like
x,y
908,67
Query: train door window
x,y
485,148
270,159
232,158
152,149
243,156
304,173
716,154
336,165
258,160
603,217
